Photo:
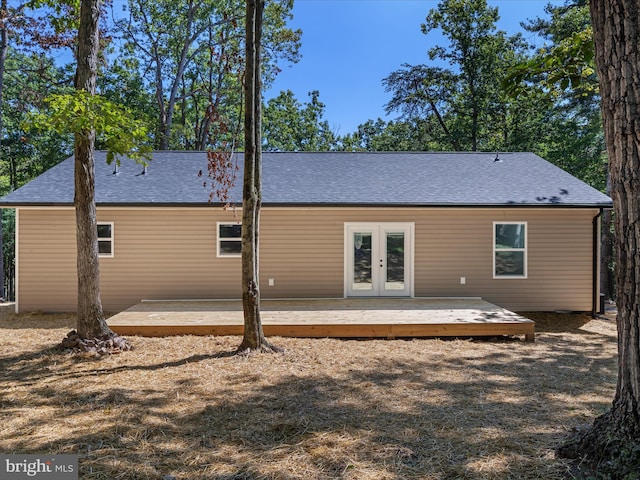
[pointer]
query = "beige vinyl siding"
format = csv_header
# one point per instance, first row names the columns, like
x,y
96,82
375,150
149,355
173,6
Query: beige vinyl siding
x,y
46,263
559,254
165,253
158,254
302,250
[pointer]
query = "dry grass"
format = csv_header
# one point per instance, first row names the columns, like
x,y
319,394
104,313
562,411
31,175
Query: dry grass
x,y
327,408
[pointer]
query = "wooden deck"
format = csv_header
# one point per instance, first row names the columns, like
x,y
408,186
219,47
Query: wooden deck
x,y
343,318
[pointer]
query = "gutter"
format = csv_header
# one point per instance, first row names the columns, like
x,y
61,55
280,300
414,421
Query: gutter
x,y
205,204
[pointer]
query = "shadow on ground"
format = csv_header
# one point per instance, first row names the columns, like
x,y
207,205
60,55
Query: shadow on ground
x,y
327,409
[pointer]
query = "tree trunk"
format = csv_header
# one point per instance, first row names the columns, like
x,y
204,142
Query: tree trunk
x,y
167,107
4,47
254,338
445,129
613,443
91,322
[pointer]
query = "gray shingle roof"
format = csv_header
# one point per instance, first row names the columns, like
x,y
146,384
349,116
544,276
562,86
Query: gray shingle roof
x,y
331,178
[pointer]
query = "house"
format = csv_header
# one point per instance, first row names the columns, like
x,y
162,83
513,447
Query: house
x,y
512,229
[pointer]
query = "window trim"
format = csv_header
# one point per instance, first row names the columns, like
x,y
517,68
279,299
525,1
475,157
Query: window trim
x,y
106,239
523,250
219,239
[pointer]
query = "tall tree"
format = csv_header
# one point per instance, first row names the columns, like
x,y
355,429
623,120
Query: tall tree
x,y
91,321
4,47
464,99
254,338
84,114
613,442
5,20
23,25
88,115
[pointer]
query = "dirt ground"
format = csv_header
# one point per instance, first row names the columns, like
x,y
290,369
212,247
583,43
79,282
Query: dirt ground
x,y
325,409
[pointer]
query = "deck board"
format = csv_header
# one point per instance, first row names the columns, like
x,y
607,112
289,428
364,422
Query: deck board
x,y
362,317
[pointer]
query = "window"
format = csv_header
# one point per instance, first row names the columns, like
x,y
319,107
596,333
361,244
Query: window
x,y
229,239
510,250
105,239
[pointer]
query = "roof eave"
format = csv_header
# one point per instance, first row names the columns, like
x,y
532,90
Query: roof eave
x,y
316,204
439,205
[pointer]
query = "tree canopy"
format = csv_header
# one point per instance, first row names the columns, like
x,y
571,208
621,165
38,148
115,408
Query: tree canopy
x,y
293,126
189,58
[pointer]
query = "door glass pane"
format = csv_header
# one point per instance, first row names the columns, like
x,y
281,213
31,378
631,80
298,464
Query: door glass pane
x,y
395,261
362,261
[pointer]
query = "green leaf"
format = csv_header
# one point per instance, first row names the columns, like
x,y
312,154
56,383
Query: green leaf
x,y
115,125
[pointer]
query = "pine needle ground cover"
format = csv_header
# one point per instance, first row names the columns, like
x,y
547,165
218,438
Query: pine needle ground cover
x,y
326,409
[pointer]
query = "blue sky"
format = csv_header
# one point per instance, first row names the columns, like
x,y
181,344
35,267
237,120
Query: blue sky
x,y
349,46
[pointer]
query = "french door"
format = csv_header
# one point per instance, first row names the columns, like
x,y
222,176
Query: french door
x,y
379,259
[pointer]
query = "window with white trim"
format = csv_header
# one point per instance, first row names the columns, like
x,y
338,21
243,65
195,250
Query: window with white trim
x,y
229,240
105,239
509,250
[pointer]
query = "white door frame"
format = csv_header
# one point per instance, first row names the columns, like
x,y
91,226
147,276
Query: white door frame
x,y
378,230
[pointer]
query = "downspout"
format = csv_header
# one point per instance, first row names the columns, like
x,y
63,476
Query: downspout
x,y
16,256
595,304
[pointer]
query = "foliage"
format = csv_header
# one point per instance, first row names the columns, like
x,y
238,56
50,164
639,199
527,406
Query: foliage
x,y
563,76
41,25
62,15
121,82
476,101
28,31
115,126
292,126
190,56
463,102
567,66
23,157
381,136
